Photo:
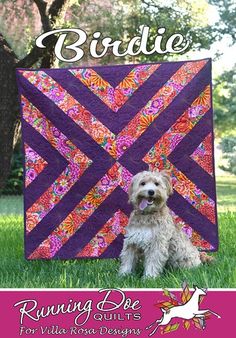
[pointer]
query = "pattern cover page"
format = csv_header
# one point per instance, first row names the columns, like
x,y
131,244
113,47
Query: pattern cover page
x,y
117,171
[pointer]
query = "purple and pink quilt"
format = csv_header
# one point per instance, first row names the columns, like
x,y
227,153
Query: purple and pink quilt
x,y
87,131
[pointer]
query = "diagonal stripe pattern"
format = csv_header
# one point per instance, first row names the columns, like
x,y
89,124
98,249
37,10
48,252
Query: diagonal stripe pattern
x,y
158,156
77,164
83,209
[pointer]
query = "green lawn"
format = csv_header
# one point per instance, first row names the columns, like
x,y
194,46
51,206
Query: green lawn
x,y
226,193
16,272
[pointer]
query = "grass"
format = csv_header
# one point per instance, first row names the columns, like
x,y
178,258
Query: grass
x,y
16,272
11,205
226,193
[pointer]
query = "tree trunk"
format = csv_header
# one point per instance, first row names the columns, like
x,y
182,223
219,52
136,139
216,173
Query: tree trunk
x,y
9,109
9,103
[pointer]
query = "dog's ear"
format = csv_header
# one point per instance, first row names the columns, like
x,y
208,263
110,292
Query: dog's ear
x,y
167,178
131,187
130,190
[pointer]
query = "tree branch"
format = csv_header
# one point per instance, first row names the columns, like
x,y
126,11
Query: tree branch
x,y
48,21
42,8
152,3
56,9
4,45
30,59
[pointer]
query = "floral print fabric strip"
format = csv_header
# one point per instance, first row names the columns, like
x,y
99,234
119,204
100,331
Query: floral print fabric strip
x,y
34,164
203,154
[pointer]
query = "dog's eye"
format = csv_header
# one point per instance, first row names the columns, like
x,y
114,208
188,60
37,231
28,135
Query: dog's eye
x,y
142,183
156,183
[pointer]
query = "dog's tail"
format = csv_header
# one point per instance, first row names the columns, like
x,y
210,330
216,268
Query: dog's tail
x,y
205,258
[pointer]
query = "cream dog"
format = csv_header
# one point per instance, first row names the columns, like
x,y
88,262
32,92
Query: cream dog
x,y
151,231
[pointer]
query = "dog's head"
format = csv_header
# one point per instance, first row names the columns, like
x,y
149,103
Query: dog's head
x,y
149,191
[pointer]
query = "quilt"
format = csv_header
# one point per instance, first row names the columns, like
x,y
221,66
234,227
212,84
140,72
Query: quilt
x,y
87,131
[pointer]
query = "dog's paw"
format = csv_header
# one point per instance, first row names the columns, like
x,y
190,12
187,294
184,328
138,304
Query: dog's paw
x,y
123,273
206,259
149,276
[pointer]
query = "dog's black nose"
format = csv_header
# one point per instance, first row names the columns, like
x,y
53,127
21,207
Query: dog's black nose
x,y
151,192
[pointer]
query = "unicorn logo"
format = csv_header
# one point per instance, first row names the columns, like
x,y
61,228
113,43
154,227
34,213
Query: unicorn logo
x,y
187,311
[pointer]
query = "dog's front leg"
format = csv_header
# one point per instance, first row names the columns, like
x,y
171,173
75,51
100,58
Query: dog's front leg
x,y
128,259
155,258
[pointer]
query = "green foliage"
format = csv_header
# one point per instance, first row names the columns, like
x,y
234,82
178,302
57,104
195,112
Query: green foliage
x,y
19,24
231,163
14,185
177,16
226,25
228,145
225,101
121,20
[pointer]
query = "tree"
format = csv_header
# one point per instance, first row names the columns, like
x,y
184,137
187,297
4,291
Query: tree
x,y
183,16
228,146
120,19
225,101
226,24
9,105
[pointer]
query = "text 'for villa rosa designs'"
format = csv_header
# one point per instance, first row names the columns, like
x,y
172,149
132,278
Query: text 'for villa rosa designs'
x,y
176,43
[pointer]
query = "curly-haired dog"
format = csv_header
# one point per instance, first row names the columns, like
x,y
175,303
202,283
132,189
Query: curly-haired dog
x,y
151,231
